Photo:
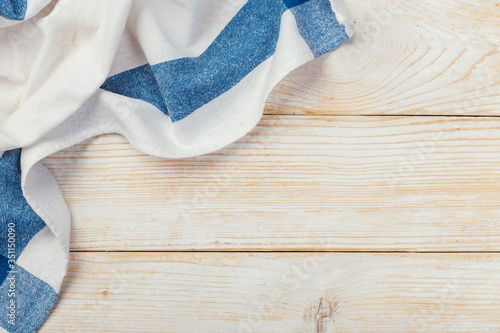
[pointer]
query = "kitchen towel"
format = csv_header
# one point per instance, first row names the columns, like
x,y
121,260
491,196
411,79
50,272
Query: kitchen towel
x,y
177,78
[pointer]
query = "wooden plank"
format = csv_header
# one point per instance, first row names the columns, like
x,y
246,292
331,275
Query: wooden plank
x,y
295,183
408,57
278,292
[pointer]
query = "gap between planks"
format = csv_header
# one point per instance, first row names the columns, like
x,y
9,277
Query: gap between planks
x,y
283,251
326,115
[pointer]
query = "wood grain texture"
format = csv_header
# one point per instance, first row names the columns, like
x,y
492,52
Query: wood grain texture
x,y
278,292
309,179
407,57
295,183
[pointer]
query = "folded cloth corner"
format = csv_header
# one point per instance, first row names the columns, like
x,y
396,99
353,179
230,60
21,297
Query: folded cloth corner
x,y
176,78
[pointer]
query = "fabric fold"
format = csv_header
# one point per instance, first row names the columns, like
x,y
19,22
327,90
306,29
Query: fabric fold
x,y
176,78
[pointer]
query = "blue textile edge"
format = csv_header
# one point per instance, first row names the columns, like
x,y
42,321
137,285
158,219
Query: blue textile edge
x,y
13,9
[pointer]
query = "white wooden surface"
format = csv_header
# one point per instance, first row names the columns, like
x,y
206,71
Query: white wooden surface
x,y
407,58
285,292
391,143
295,183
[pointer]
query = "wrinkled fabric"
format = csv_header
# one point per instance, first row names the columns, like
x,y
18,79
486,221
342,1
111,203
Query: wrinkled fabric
x,y
177,78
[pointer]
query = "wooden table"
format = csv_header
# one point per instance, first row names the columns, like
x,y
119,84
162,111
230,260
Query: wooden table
x,y
366,200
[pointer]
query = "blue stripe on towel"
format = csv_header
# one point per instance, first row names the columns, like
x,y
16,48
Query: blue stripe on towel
x,y
14,209
33,299
4,268
13,9
318,26
180,86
